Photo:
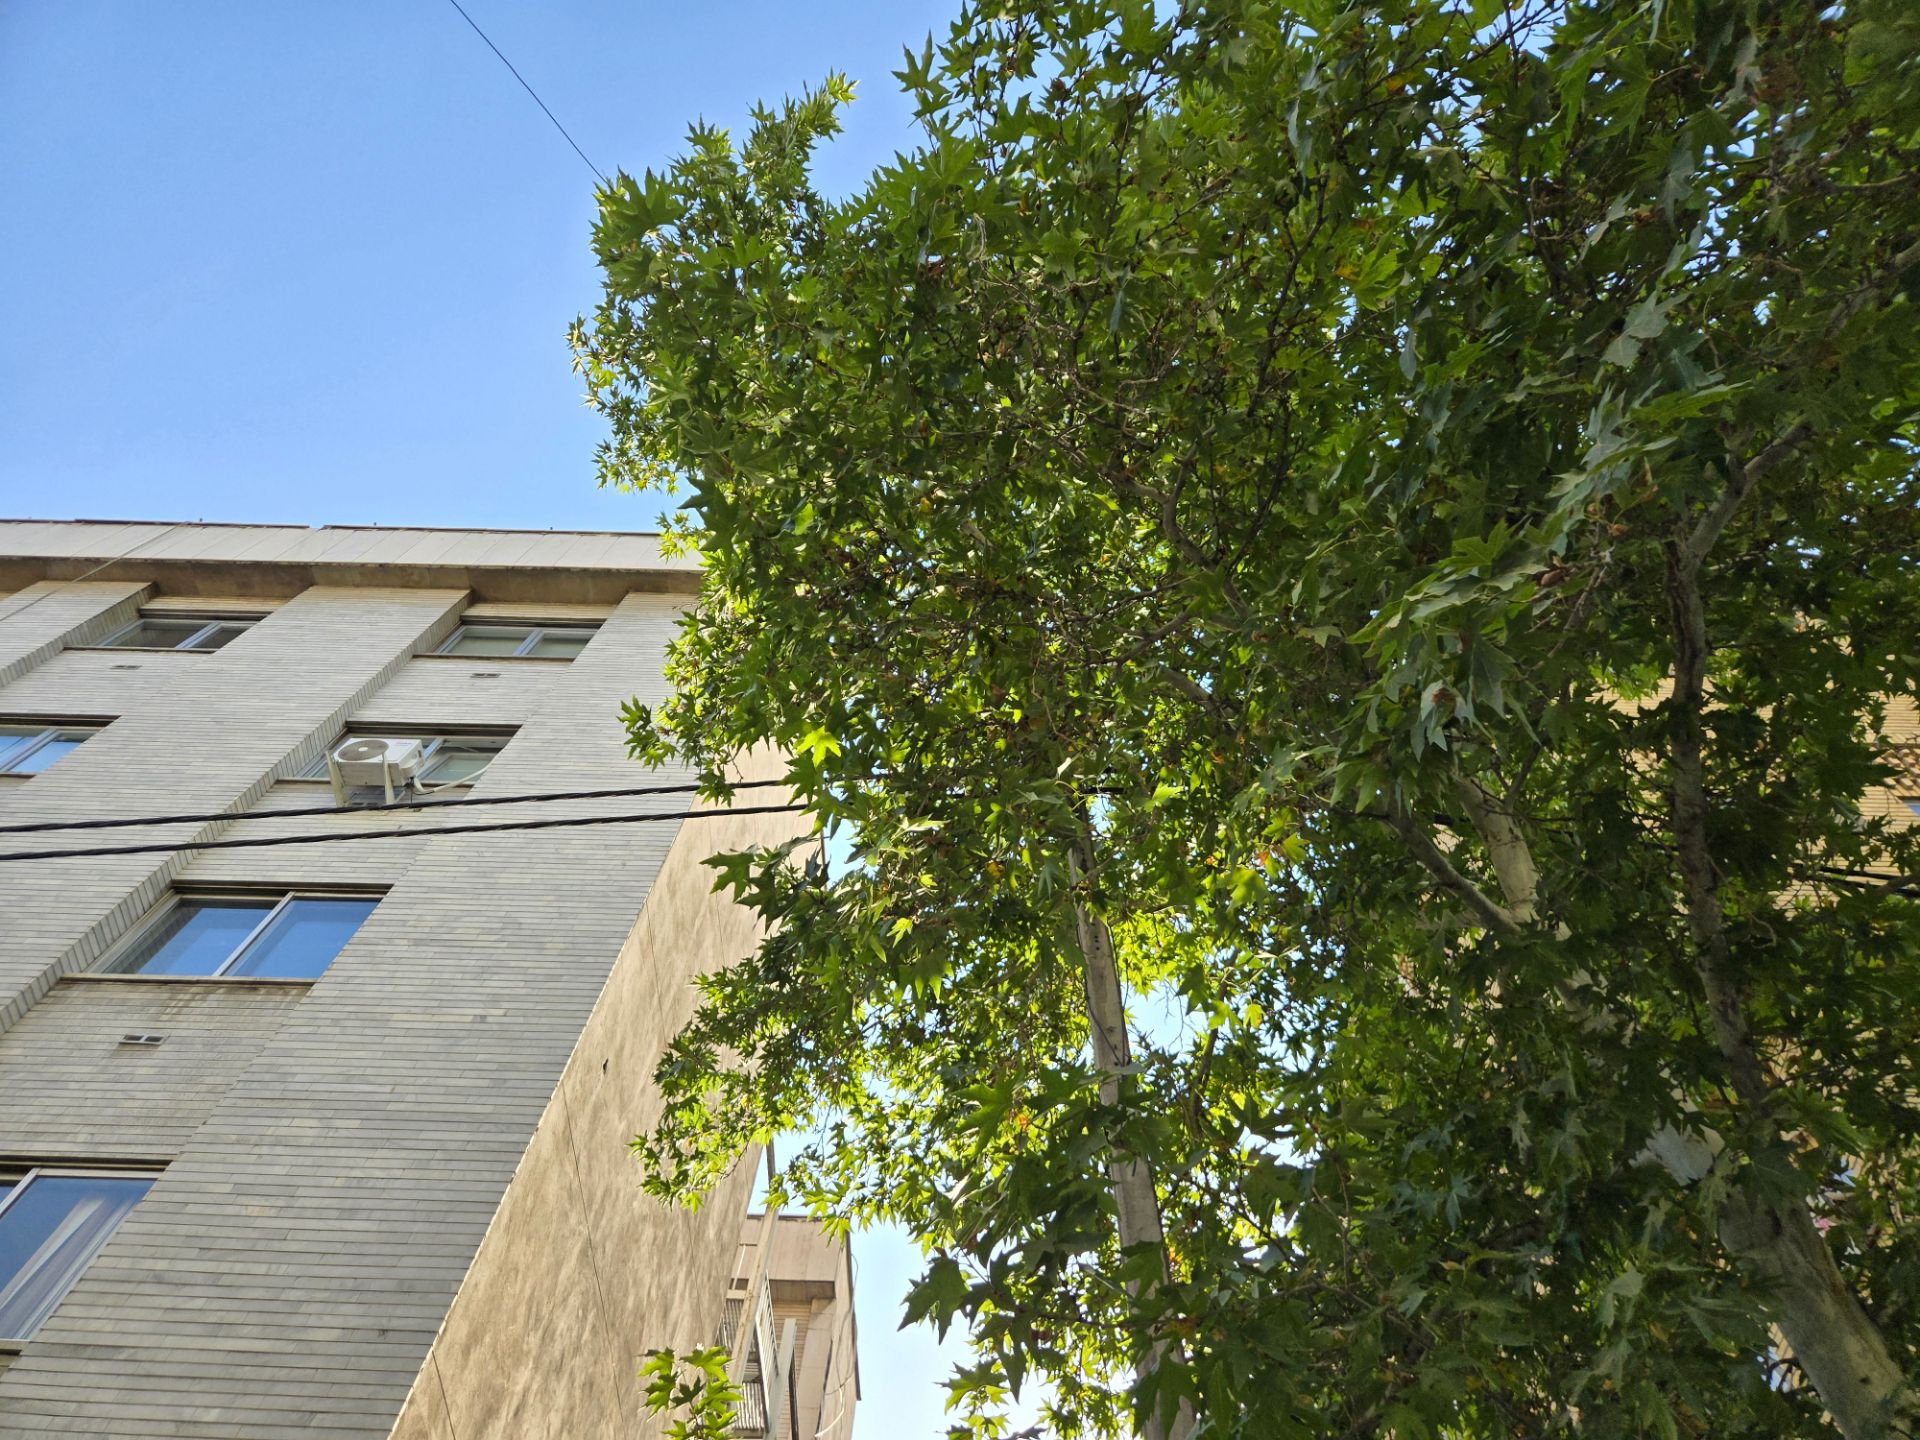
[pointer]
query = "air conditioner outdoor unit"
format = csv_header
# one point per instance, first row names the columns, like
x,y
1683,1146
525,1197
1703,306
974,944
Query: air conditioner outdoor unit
x,y
370,760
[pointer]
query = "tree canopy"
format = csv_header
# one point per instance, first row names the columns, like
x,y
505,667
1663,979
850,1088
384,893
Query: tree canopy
x,y
1397,520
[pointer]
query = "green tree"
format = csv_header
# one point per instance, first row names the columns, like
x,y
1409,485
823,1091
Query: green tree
x,y
1381,538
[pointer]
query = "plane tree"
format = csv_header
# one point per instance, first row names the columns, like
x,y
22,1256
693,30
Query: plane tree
x,y
1344,573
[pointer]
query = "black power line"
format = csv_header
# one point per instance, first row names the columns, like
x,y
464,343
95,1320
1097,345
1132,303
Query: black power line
x,y
210,816
421,833
530,90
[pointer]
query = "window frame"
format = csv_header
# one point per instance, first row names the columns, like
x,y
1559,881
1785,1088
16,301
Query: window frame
x,y
22,1174
281,898
56,730
209,624
537,631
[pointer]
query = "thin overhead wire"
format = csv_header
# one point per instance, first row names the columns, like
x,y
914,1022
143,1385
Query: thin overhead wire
x,y
213,816
89,574
597,174
432,832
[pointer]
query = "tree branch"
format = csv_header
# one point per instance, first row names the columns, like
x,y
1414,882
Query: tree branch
x,y
1494,916
1507,848
1741,478
1776,1240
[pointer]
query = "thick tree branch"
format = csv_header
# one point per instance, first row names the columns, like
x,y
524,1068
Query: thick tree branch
x,y
1705,917
1136,1200
1507,848
1741,478
1494,916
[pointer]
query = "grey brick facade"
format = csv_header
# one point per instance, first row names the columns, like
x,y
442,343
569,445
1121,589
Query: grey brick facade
x,y
394,1200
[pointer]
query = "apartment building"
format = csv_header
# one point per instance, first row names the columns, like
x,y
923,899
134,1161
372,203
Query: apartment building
x,y
313,1112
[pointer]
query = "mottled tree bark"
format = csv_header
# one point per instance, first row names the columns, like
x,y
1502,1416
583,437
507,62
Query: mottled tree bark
x,y
1136,1203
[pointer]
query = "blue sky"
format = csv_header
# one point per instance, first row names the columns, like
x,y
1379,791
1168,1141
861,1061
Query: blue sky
x,y
315,263
309,263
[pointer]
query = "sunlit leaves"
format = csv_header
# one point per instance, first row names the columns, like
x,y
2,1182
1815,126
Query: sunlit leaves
x,y
1243,428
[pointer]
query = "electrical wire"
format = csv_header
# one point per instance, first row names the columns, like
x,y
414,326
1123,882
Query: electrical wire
x,y
530,90
89,574
211,816
411,833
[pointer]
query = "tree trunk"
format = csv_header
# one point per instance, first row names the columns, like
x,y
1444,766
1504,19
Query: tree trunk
x,y
1831,1337
1135,1202
1777,1247
1833,1341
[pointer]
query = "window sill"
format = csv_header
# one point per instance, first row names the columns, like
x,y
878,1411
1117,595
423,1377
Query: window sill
x,y
401,800
140,650
274,982
500,659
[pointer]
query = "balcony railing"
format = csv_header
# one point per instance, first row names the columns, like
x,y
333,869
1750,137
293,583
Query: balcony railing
x,y
766,1377
762,1358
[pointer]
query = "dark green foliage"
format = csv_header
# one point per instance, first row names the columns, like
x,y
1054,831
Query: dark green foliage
x,y
1283,430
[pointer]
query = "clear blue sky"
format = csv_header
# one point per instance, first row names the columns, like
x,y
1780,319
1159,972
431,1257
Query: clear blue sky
x,y
314,263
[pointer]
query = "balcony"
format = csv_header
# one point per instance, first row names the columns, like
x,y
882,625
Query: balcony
x,y
762,1364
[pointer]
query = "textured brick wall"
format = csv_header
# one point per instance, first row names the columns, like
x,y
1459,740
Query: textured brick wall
x,y
336,1166
194,733
73,1091
35,623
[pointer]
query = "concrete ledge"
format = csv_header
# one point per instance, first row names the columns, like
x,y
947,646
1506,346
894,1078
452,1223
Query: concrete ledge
x,y
278,561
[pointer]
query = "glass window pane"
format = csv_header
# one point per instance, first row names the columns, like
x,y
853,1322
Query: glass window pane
x,y
456,761
195,937
219,636
48,753
152,632
304,938
48,1234
16,738
486,640
561,644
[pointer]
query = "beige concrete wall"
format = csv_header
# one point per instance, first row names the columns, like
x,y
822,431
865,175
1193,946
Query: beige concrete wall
x,y
811,1278
581,1274
556,566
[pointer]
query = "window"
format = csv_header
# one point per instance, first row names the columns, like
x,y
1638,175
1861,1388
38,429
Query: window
x,y
260,937
29,749
447,759
527,642
180,632
52,1224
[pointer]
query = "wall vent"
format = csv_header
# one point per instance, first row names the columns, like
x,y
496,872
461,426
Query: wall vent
x,y
142,1041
